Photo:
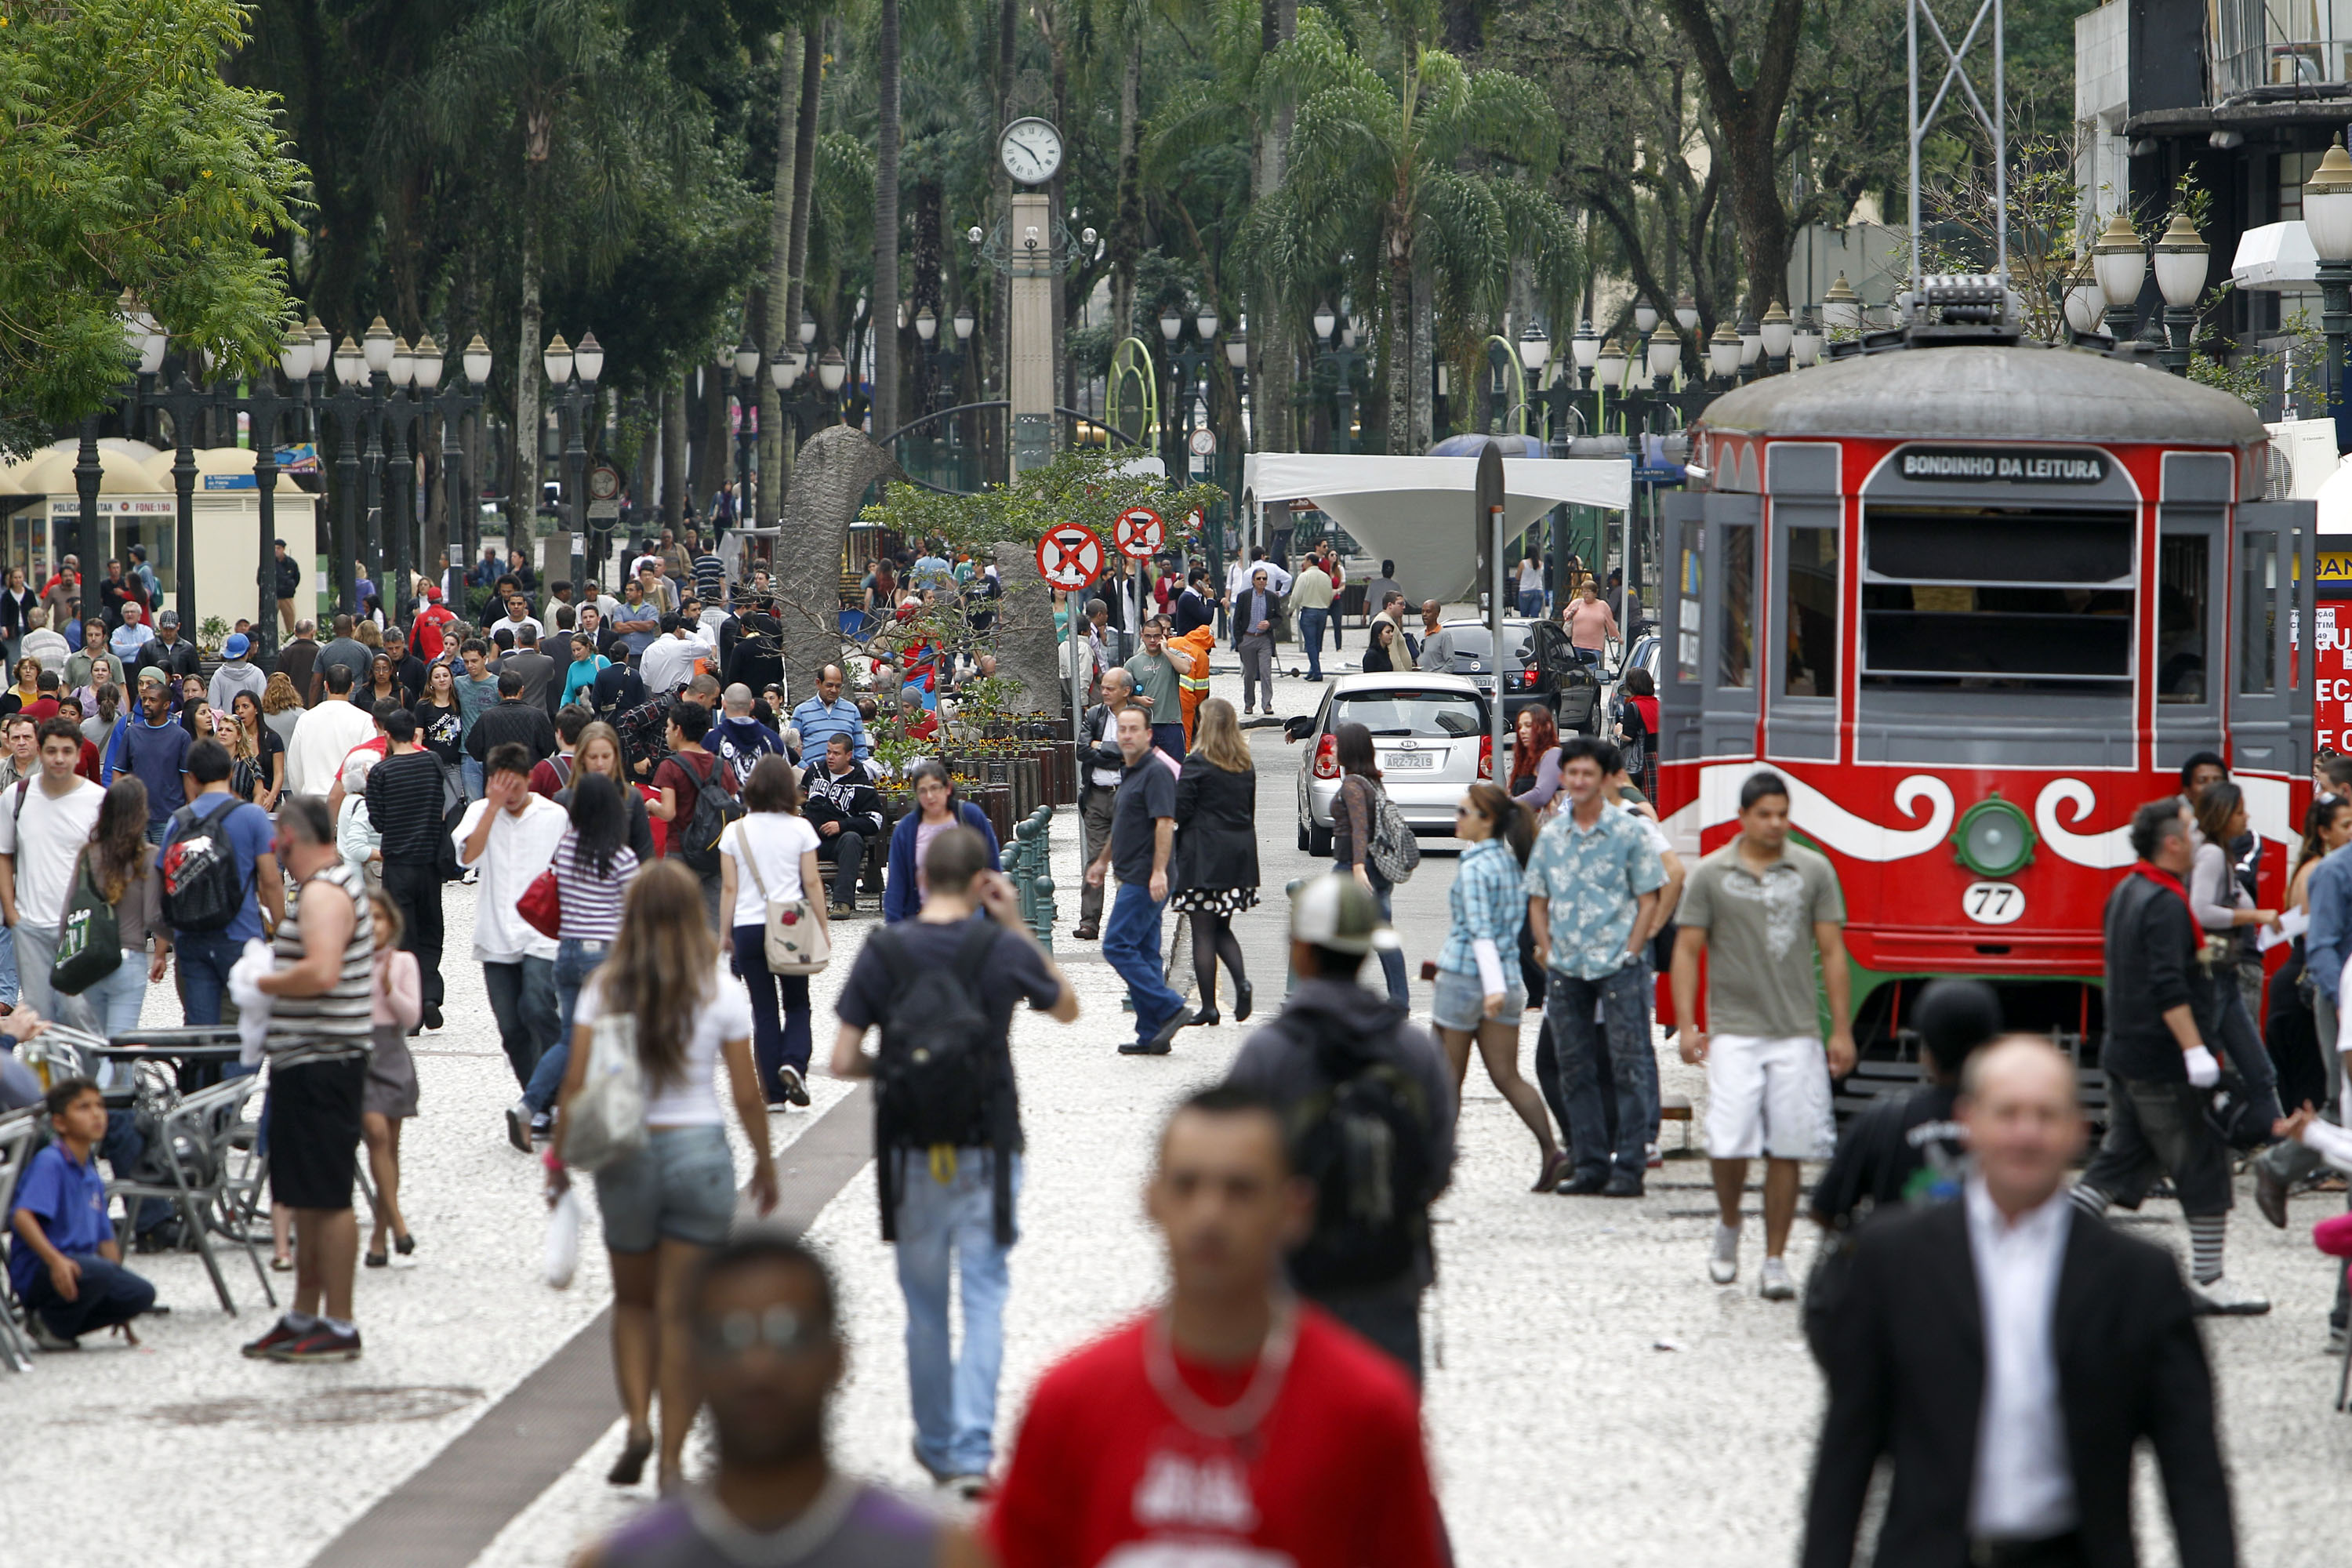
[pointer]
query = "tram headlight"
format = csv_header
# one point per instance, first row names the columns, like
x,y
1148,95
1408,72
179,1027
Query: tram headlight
x,y
1993,839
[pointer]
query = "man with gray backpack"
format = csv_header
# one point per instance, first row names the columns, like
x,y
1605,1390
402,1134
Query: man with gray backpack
x,y
1367,1102
947,1129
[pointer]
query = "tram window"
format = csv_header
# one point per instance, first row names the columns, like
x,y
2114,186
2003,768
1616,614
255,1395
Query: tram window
x,y
1736,652
1955,544
1687,657
1812,613
2184,569
2005,600
2258,615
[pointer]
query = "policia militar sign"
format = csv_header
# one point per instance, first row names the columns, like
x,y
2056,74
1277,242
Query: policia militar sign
x,y
1976,465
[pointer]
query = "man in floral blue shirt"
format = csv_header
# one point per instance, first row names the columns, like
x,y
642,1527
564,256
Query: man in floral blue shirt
x,y
1592,884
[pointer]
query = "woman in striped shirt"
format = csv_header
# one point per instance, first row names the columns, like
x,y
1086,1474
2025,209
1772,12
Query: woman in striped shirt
x,y
592,866
1478,995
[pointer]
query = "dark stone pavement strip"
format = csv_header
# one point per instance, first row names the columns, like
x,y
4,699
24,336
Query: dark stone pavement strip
x,y
452,1508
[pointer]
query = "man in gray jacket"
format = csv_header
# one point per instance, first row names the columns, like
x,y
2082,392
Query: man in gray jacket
x,y
1368,1103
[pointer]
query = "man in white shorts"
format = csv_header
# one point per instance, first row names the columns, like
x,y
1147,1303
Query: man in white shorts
x,y
1759,908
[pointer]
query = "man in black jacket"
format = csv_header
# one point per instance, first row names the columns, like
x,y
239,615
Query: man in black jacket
x,y
845,809
2006,1354
288,579
2158,1069
169,652
1348,1072
405,804
512,719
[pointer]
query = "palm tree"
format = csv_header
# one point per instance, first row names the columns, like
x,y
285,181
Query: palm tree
x,y
599,129
884,294
1406,174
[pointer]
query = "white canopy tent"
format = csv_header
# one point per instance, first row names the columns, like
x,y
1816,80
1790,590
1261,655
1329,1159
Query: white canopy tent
x,y
1417,511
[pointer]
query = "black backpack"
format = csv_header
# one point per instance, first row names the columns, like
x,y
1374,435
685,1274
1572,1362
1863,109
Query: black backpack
x,y
714,810
1361,1141
940,1078
203,889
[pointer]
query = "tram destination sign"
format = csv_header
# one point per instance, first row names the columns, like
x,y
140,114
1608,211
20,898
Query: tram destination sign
x,y
1977,465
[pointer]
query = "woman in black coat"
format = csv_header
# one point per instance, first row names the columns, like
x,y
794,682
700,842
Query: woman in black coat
x,y
1213,872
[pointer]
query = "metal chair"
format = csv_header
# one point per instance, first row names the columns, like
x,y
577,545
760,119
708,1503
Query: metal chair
x,y
18,1131
198,1138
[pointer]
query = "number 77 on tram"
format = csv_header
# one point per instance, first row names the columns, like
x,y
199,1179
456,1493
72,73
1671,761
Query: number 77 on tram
x,y
1977,601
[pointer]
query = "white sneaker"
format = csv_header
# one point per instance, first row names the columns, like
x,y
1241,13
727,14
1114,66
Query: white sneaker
x,y
1776,1285
1723,1266
2221,1299
1651,1158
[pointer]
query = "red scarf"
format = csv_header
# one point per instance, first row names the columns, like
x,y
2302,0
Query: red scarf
x,y
2166,879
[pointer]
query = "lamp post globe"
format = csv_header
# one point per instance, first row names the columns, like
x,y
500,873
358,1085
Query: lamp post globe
x,y
2180,263
2119,262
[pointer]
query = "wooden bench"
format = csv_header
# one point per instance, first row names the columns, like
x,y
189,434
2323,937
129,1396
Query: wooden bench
x,y
1677,1108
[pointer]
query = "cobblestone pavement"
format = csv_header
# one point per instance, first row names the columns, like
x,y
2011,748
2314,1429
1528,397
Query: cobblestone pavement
x,y
1595,1401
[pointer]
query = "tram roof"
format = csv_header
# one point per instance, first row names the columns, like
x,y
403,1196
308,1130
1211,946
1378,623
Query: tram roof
x,y
1981,392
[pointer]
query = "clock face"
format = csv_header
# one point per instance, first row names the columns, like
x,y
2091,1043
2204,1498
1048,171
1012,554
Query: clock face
x,y
1030,150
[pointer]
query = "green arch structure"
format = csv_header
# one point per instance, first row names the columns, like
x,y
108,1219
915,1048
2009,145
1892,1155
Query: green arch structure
x,y
1131,361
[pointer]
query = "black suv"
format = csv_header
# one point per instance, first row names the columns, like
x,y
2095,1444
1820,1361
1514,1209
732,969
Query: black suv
x,y
1542,669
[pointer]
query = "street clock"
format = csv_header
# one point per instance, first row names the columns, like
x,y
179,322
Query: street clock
x,y
1030,150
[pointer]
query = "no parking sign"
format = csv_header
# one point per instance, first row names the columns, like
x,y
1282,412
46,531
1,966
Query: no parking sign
x,y
1069,557
1139,532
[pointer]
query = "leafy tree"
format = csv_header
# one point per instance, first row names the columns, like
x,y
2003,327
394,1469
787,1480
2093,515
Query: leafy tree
x,y
1406,170
126,162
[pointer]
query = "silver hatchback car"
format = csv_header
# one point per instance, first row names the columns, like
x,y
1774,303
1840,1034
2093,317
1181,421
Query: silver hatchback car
x,y
1429,733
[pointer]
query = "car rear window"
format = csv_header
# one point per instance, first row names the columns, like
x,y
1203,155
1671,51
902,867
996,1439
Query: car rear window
x,y
1472,646
1429,715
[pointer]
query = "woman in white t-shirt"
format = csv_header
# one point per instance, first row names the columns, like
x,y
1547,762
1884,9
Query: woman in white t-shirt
x,y
770,853
671,1202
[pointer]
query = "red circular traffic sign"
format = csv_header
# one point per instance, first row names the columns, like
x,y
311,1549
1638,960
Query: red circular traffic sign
x,y
1140,532
1069,557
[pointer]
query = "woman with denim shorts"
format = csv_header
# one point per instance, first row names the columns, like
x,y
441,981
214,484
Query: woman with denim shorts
x,y
1477,996
670,1203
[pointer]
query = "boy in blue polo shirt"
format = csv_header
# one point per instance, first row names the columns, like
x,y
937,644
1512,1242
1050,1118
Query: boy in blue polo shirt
x,y
64,1263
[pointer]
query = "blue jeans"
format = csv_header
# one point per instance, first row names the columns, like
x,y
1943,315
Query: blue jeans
x,y
1311,632
1530,603
1169,738
205,958
1392,957
115,999
954,1397
576,961
105,1295
523,1000
469,773
775,1044
1624,1033
1130,945
8,966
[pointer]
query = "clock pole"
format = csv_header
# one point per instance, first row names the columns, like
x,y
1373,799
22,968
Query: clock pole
x,y
1029,386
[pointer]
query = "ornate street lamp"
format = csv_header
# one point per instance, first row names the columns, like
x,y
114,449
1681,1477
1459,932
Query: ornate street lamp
x,y
2181,262
2328,216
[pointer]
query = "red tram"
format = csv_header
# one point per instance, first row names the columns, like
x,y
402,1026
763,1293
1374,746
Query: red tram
x,y
1977,602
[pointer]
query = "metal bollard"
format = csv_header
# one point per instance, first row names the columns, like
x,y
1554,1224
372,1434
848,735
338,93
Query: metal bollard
x,y
1042,908
1290,973
1028,862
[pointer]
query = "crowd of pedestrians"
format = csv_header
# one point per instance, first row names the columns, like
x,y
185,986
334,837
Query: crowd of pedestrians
x,y
657,857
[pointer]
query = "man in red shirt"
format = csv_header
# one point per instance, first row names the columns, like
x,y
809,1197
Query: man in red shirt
x,y
1236,1426
432,625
